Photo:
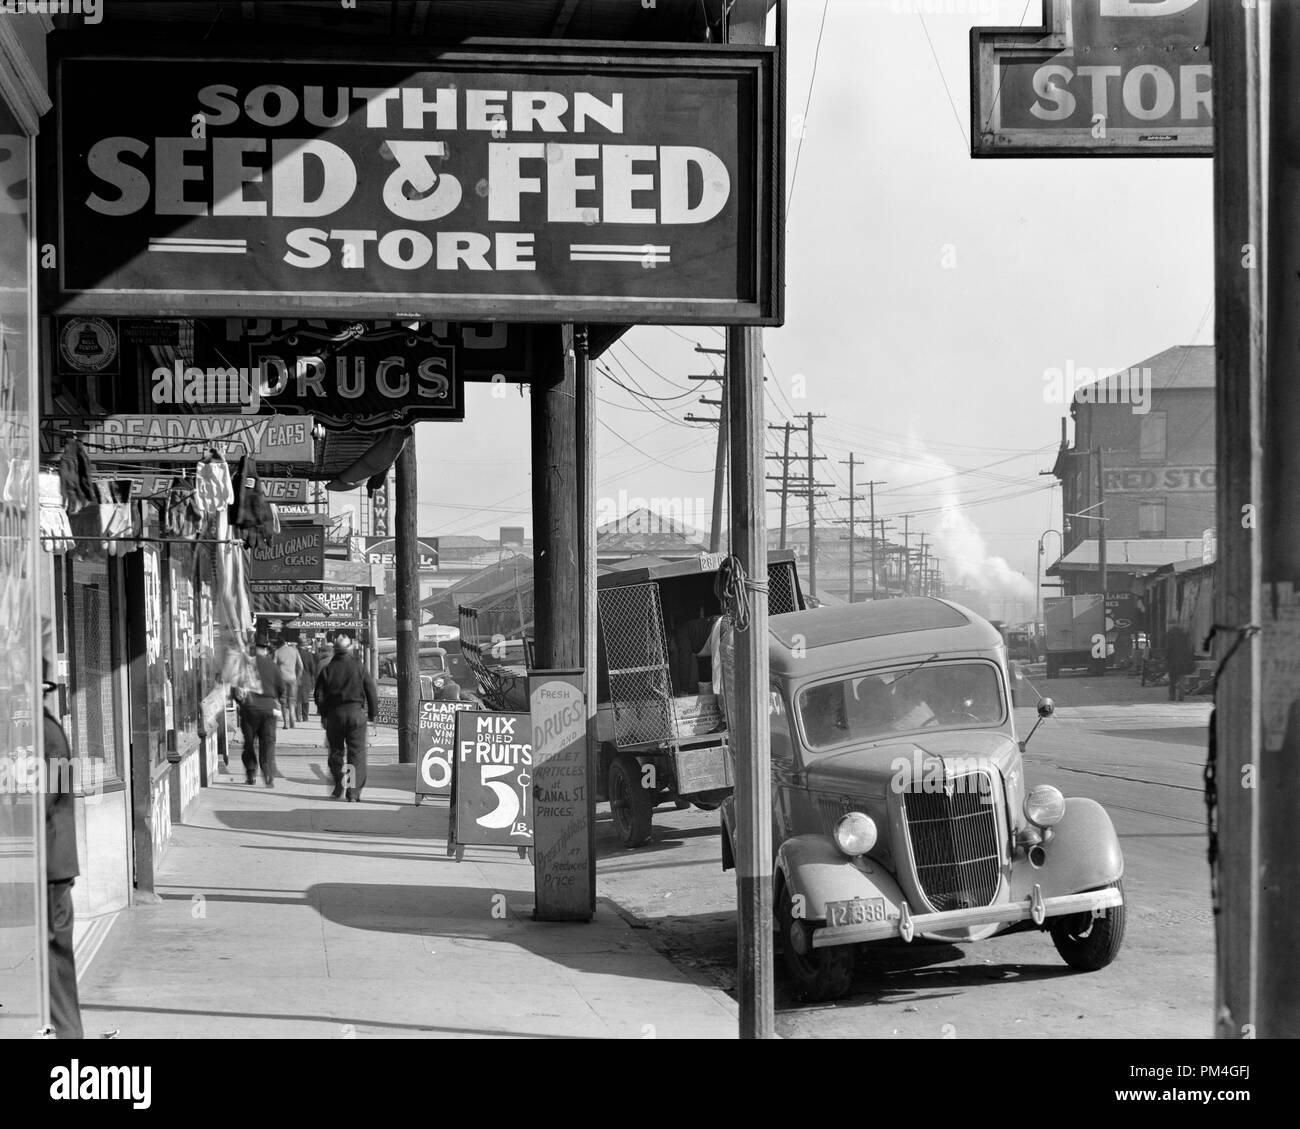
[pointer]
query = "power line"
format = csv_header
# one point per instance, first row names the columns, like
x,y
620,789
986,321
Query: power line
x,y
794,173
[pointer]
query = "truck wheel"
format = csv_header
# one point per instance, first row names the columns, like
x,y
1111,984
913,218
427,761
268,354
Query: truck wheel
x,y
818,974
630,804
1089,943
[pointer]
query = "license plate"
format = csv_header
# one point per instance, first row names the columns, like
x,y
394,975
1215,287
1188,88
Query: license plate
x,y
858,911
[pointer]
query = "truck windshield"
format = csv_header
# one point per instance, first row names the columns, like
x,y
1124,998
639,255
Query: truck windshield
x,y
926,695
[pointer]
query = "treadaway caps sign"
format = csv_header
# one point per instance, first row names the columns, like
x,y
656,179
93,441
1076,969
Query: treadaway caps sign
x,y
593,186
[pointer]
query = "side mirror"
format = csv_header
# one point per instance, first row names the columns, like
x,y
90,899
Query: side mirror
x,y
1046,708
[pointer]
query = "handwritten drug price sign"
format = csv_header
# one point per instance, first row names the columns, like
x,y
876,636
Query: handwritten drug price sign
x,y
492,780
437,739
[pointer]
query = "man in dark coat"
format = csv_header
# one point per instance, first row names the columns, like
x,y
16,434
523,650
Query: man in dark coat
x,y
61,871
310,668
348,701
259,702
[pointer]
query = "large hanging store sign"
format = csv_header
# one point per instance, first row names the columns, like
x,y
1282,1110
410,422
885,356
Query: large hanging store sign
x,y
1104,77
584,185
168,438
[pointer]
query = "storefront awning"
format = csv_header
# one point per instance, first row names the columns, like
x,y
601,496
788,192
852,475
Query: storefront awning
x,y
1137,555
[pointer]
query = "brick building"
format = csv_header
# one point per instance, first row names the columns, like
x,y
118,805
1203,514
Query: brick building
x,y
1149,430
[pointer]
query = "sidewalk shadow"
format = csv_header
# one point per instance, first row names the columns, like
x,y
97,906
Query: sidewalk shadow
x,y
341,818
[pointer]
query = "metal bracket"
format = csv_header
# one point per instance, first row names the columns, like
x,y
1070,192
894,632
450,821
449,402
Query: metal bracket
x,y
906,929
1037,911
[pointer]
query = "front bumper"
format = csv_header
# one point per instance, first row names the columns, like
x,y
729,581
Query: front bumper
x,y
906,925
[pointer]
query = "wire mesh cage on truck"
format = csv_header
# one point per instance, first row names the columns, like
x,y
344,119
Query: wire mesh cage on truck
x,y
663,736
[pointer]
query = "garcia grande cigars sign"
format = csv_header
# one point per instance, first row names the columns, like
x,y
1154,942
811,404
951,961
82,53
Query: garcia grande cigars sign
x,y
601,186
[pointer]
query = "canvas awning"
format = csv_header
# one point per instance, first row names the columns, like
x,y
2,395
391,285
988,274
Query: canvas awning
x,y
1138,555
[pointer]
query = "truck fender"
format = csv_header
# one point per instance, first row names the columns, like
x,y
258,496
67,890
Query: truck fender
x,y
813,867
1082,854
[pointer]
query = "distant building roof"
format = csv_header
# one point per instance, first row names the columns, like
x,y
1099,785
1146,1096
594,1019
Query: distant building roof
x,y
644,532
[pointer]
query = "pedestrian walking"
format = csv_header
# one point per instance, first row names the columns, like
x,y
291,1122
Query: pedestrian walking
x,y
307,681
259,693
61,870
289,661
1179,660
347,699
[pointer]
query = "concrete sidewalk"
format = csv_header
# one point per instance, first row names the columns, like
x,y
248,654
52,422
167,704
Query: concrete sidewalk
x,y
287,914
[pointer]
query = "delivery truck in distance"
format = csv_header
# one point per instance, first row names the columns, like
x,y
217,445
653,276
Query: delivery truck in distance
x,y
1076,633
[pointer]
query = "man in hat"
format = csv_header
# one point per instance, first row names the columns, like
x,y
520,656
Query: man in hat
x,y
348,701
259,703
61,868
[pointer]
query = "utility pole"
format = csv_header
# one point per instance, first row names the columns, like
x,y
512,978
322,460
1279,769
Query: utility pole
x,y
1248,999
812,505
852,499
871,490
884,545
1101,521
720,457
784,491
924,591
907,556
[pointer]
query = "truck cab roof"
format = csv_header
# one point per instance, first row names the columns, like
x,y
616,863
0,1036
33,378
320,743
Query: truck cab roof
x,y
864,634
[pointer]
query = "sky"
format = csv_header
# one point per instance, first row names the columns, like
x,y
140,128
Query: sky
x,y
926,296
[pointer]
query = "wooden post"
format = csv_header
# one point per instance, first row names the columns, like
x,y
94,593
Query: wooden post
x,y
1278,795
587,486
719,467
406,550
747,716
559,527
557,579
1239,126
1101,521
785,482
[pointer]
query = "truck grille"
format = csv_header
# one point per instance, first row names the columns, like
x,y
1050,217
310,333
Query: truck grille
x,y
954,836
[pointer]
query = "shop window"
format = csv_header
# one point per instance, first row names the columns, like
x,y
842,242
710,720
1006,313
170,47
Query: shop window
x,y
92,664
1151,518
1152,444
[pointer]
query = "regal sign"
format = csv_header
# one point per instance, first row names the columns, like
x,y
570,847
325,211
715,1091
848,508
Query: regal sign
x,y
1118,77
590,185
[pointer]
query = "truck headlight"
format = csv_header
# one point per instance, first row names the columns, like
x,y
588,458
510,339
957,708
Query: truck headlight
x,y
855,833
1044,805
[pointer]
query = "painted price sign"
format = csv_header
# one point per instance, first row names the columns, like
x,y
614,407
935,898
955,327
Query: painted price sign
x,y
491,791
436,742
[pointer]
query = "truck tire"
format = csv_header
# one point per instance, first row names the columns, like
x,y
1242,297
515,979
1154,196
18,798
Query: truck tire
x,y
818,974
630,804
1089,943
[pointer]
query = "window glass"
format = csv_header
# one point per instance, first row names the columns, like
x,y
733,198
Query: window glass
x,y
1151,440
91,611
22,935
927,695
1151,518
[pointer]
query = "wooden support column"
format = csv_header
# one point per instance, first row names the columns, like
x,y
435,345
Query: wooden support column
x,y
747,716
587,482
1278,782
406,549
1239,341
557,573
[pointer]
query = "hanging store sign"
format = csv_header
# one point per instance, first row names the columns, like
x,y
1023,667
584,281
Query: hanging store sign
x,y
593,185
297,552
386,378
1120,77
292,490
272,439
383,551
87,345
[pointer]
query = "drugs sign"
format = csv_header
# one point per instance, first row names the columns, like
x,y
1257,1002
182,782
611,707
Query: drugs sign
x,y
1120,77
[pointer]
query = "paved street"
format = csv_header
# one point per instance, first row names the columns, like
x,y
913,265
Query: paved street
x,y
1126,747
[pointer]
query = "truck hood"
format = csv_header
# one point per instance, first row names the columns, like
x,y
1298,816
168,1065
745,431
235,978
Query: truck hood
x,y
868,769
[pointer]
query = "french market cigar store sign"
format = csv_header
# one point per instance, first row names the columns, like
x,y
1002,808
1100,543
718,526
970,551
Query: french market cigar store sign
x,y
594,185
1121,77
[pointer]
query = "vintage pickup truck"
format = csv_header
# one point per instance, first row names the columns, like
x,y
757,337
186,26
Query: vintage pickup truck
x,y
899,801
